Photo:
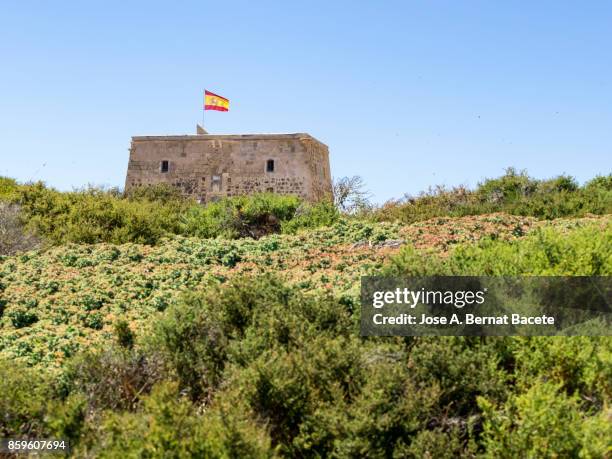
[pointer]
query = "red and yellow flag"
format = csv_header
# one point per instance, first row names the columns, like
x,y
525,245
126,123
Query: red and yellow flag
x,y
214,102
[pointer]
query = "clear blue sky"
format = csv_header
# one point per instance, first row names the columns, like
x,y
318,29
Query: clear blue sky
x,y
407,94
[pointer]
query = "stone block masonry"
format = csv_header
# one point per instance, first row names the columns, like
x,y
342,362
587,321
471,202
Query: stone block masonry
x,y
207,167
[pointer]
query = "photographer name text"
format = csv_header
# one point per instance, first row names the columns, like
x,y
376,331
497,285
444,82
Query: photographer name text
x,y
468,319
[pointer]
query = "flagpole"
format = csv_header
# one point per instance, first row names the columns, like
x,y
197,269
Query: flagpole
x,y
203,108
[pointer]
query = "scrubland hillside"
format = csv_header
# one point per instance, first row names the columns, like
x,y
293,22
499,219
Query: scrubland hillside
x,y
134,325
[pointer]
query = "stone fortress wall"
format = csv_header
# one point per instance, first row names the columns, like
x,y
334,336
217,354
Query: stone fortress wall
x,y
208,167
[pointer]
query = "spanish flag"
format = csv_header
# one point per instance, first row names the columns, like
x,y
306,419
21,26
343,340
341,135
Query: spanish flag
x,y
214,102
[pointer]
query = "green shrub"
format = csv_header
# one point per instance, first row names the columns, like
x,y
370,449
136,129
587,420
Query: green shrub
x,y
22,317
562,183
300,393
198,335
169,426
217,219
387,412
462,367
599,183
309,216
194,344
94,215
8,188
241,216
514,192
147,214
23,400
30,406
576,364
440,443
294,362
510,187
114,378
543,422
438,201
93,320
583,251
161,192
125,336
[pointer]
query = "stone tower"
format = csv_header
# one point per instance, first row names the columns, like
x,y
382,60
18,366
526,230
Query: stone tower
x,y
208,167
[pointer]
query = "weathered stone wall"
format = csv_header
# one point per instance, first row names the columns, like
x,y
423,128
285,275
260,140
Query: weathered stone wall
x,y
212,166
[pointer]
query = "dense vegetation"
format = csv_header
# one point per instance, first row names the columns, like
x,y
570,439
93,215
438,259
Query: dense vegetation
x,y
249,346
148,214
514,193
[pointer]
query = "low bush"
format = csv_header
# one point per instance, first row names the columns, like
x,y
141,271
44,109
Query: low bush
x,y
576,365
94,215
161,193
544,422
113,378
200,335
584,251
8,188
514,193
145,215
194,343
309,216
125,336
463,368
23,398
241,216
257,215
168,425
31,405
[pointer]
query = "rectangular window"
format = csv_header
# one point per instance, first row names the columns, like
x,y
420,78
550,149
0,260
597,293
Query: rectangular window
x,y
216,184
270,165
164,166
